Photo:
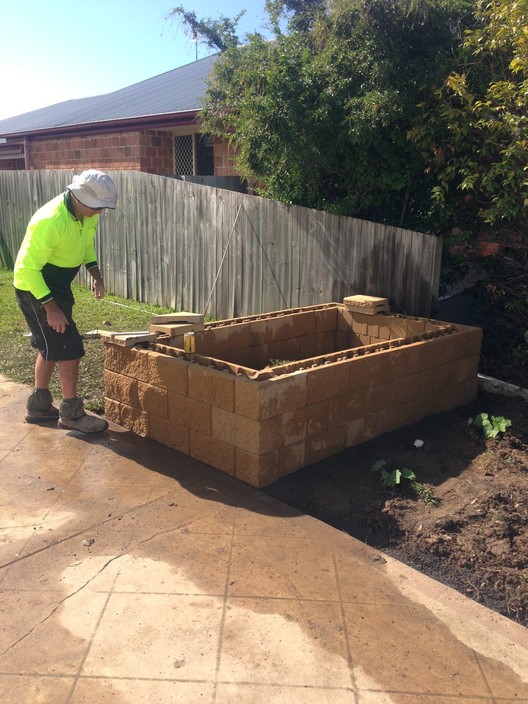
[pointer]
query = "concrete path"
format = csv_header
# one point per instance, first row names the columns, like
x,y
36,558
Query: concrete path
x,y
132,574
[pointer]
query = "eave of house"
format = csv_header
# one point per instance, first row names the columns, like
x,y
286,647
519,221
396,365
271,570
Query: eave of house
x,y
163,121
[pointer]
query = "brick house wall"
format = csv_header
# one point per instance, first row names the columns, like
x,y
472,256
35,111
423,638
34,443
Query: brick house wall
x,y
224,164
150,151
146,150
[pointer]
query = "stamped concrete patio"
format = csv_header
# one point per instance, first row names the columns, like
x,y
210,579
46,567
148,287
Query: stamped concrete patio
x,y
130,573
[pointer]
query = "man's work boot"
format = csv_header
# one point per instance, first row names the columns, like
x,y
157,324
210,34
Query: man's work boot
x,y
74,417
40,408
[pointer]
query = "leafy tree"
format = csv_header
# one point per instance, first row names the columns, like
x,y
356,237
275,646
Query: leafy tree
x,y
320,115
216,34
475,139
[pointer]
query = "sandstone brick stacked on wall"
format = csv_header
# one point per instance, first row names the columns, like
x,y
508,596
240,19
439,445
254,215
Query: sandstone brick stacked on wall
x,y
258,341
149,151
261,430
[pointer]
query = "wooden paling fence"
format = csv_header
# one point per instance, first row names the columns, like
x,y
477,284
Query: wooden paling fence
x,y
227,254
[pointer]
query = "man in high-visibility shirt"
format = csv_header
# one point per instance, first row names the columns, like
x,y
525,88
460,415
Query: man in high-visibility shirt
x,y
58,240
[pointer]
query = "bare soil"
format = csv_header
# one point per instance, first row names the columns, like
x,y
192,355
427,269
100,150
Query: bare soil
x,y
468,529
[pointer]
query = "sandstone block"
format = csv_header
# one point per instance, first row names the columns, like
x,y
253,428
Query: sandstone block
x,y
327,381
167,372
211,386
135,420
112,410
212,451
153,399
169,434
190,413
121,388
325,444
126,360
258,437
348,407
264,399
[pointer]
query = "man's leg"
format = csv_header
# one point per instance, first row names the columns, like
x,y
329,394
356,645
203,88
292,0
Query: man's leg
x,y
72,413
43,372
39,405
69,376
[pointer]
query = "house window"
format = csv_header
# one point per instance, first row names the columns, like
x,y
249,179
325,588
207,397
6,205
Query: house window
x,y
193,155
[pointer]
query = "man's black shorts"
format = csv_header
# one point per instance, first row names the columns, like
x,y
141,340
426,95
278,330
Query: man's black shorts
x,y
53,346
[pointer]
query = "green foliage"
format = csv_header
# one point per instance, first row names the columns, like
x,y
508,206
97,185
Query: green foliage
x,y
395,478
475,139
491,425
319,117
216,34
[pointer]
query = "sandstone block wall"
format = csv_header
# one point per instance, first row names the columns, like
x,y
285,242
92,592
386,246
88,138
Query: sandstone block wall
x,y
260,430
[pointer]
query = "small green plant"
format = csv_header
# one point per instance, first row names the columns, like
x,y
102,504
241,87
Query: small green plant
x,y
491,426
394,478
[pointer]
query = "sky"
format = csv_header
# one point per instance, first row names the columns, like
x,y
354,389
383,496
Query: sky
x,y
56,50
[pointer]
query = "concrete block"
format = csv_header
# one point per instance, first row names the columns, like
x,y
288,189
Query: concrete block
x,y
348,407
284,327
294,426
212,451
169,433
169,373
259,356
360,323
190,413
126,360
365,370
121,388
180,317
112,410
316,345
153,399
317,417
460,394
259,400
327,381
242,357
203,342
212,387
263,470
367,304
363,429
325,444
303,422
398,416
415,326
325,320
382,395
258,437
383,322
175,329
231,337
134,420
287,350
289,459
398,327
249,466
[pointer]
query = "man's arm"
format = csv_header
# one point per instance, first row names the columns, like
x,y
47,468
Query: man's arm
x,y
97,283
56,318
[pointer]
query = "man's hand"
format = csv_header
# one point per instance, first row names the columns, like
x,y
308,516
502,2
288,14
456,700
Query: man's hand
x,y
98,289
56,318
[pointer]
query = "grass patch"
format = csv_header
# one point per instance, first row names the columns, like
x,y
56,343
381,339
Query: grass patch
x,y
17,357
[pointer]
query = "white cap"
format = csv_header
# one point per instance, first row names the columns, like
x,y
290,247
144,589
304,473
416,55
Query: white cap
x,y
94,189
